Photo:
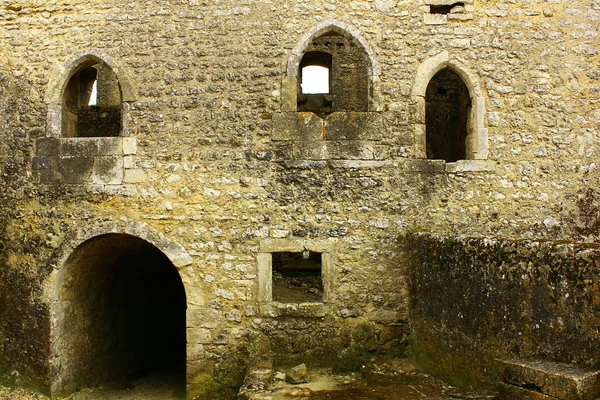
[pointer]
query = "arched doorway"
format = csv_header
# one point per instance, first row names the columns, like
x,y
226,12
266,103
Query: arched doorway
x,y
118,314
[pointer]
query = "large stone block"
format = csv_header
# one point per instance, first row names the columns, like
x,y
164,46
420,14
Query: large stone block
x,y
74,169
559,380
47,146
350,150
311,150
354,126
79,147
302,126
108,170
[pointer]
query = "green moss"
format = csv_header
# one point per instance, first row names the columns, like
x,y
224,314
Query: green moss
x,y
202,387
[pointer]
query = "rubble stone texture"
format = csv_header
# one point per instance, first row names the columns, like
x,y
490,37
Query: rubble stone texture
x,y
213,161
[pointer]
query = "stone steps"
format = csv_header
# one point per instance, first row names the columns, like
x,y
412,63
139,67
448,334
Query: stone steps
x,y
539,380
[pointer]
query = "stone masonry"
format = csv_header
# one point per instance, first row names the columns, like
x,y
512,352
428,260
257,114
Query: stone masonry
x,y
214,169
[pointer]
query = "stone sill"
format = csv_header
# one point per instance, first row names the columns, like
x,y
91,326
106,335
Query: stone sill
x,y
407,165
275,309
441,166
86,146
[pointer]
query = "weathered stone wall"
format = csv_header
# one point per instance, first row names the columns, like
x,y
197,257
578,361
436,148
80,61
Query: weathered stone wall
x,y
214,171
473,300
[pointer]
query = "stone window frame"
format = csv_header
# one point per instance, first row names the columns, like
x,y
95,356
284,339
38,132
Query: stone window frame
x,y
289,85
327,249
59,79
477,143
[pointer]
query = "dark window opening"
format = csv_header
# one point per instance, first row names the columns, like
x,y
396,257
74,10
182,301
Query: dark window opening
x,y
122,315
92,103
444,9
297,277
346,64
447,116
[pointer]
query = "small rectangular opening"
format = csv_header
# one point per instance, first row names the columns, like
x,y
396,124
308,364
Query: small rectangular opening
x,y
443,9
297,277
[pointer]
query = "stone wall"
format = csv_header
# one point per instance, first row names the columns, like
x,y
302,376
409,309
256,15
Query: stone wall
x,y
220,163
474,300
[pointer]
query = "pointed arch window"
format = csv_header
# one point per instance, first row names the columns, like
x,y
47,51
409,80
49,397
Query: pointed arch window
x,y
91,102
345,67
447,116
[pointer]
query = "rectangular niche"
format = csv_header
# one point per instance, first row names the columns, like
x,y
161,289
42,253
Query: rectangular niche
x,y
297,277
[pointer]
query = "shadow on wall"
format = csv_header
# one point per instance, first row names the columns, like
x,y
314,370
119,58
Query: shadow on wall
x,y
473,300
119,313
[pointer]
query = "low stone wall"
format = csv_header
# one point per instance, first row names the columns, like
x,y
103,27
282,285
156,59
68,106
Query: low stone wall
x,y
473,300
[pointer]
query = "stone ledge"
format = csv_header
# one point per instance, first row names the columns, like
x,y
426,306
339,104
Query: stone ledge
x,y
441,166
557,380
275,309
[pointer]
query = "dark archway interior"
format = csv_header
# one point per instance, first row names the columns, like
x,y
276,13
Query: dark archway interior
x,y
448,106
123,306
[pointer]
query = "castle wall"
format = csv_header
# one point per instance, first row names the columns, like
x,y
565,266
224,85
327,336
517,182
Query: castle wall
x,y
475,300
216,159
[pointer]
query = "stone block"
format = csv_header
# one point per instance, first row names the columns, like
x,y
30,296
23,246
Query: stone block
x,y
108,170
420,165
349,150
281,245
203,317
134,176
298,374
559,380
110,145
289,93
359,164
79,147
311,150
129,145
47,146
199,336
75,169
354,126
40,162
303,126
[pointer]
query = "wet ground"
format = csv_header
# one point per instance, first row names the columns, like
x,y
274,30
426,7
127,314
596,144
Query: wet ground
x,y
397,380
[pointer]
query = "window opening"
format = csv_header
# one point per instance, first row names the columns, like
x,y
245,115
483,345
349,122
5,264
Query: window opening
x,y
447,116
444,9
347,68
92,103
297,277
94,96
315,80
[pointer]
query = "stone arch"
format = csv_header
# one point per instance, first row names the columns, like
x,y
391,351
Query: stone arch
x,y
89,252
59,79
172,249
289,95
477,146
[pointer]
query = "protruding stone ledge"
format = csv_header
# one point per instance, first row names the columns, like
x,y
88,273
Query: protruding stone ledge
x,y
550,379
97,161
